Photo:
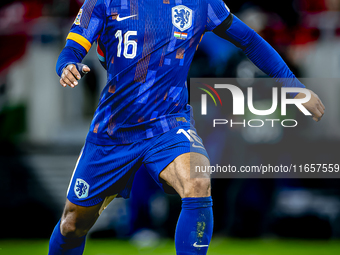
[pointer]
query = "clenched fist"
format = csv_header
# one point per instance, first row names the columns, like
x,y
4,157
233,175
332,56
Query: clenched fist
x,y
71,75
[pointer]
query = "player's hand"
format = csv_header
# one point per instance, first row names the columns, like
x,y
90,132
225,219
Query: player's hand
x,y
314,105
71,75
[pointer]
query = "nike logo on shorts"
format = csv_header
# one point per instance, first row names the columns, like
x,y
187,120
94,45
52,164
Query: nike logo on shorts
x,y
124,18
200,245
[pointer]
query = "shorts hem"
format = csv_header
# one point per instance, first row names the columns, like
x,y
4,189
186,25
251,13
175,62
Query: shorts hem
x,y
86,203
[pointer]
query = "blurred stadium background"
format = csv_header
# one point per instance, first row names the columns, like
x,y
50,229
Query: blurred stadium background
x,y
43,127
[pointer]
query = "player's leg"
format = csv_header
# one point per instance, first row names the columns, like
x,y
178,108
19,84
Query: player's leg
x,y
195,224
69,234
170,159
101,171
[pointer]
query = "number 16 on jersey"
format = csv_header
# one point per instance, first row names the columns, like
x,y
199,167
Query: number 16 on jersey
x,y
126,43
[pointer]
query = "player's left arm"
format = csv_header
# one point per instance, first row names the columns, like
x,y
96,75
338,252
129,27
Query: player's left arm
x,y
266,58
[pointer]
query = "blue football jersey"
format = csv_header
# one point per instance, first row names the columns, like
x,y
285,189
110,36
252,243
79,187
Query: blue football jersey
x,y
147,47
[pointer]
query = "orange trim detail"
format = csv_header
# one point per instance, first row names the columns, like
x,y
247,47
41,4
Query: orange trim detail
x,y
79,39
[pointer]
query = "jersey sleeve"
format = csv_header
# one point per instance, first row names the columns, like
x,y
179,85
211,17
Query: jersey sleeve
x,y
88,23
217,12
260,52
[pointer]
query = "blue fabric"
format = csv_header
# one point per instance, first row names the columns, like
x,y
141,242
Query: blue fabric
x,y
194,226
107,170
262,54
94,16
217,12
147,64
72,53
60,245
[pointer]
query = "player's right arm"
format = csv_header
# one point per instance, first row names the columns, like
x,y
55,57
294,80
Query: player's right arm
x,y
84,31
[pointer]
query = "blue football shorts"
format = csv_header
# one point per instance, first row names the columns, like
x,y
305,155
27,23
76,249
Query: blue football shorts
x,y
103,171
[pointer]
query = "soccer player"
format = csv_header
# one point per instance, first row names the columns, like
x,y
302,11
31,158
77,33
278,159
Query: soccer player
x,y
143,116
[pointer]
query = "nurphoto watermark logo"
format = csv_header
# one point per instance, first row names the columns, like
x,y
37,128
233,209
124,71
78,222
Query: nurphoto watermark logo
x,y
240,101
262,128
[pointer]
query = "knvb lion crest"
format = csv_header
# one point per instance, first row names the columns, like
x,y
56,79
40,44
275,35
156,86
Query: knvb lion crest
x,y
81,188
182,17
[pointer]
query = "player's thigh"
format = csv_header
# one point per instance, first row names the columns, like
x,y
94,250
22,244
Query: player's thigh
x,y
181,175
172,159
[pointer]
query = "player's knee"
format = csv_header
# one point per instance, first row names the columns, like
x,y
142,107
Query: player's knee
x,y
198,187
70,228
67,228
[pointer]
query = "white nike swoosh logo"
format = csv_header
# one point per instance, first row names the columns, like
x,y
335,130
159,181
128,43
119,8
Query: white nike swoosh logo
x,y
200,245
120,19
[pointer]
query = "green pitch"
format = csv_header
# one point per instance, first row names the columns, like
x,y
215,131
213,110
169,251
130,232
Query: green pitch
x,y
218,246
